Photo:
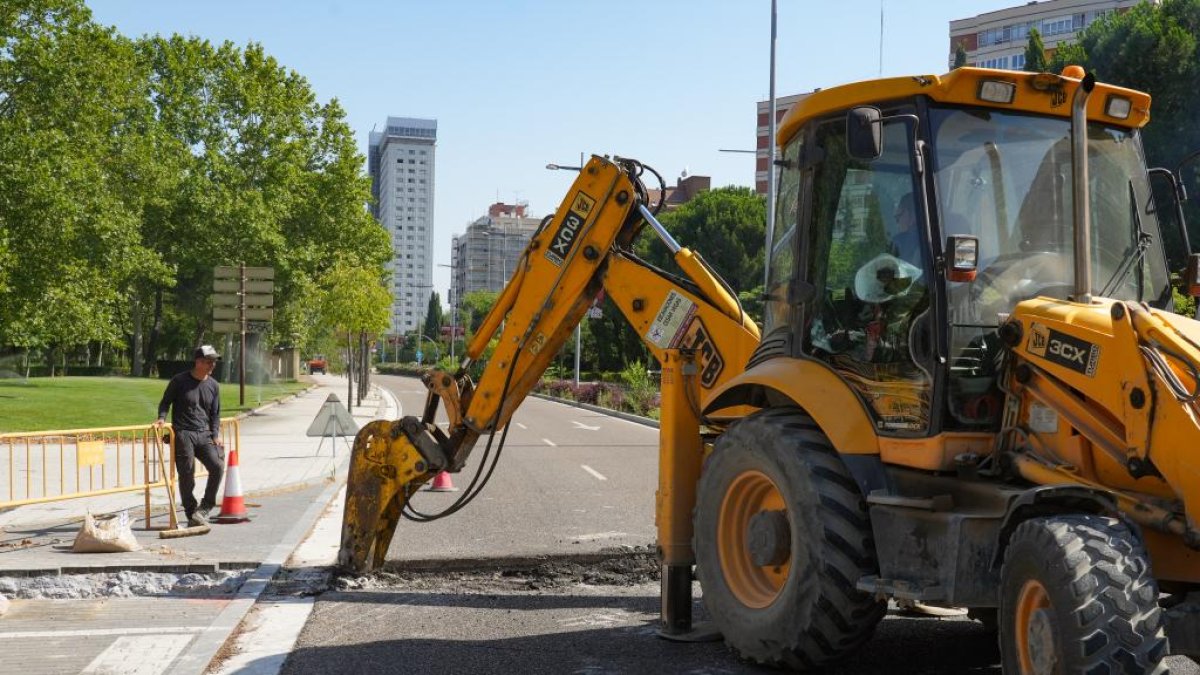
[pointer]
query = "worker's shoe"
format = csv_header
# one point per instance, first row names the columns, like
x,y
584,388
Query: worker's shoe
x,y
198,518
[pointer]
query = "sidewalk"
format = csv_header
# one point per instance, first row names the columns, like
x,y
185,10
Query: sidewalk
x,y
281,474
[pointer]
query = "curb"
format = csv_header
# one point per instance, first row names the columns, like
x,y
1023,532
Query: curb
x,y
197,657
630,417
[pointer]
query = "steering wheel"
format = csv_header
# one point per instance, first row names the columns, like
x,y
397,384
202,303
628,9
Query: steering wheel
x,y
1020,276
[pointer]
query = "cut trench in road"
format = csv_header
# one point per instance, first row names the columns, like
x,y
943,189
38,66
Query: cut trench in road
x,y
611,567
123,584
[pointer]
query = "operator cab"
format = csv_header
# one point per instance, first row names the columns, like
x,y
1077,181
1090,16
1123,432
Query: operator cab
x,y
869,198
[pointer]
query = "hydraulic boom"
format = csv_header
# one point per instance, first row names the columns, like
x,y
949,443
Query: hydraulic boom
x,y
693,325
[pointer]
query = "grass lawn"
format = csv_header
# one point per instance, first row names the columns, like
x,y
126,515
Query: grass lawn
x,y
45,403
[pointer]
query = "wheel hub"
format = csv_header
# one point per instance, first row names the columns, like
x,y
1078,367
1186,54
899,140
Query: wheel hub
x,y
752,527
1041,642
769,541
1034,630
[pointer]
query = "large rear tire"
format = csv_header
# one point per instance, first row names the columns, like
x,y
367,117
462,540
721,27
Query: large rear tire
x,y
781,538
1077,596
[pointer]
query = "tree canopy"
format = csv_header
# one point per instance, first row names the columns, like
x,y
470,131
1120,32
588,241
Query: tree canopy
x,y
130,168
1156,49
1035,53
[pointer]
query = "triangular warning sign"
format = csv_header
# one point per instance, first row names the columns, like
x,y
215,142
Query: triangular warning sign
x,y
333,420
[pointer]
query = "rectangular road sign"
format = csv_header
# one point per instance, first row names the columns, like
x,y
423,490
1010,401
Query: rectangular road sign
x,y
231,272
234,327
233,286
252,313
233,300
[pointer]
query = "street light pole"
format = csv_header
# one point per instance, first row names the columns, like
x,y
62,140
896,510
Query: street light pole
x,y
453,307
578,326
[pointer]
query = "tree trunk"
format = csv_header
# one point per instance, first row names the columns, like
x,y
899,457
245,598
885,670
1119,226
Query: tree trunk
x,y
349,371
135,316
155,328
27,363
362,369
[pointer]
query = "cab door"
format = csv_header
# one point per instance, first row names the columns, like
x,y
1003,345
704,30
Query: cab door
x,y
866,269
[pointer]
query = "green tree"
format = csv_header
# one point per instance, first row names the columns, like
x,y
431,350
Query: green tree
x,y
130,168
960,55
355,301
1035,53
475,307
74,159
727,226
1152,48
433,317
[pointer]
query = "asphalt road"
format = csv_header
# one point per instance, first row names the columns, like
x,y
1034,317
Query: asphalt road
x,y
506,624
545,497
568,480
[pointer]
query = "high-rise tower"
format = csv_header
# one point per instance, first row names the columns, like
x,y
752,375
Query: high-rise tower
x,y
401,161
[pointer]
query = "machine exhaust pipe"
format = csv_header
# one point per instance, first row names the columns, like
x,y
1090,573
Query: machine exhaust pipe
x,y
1081,202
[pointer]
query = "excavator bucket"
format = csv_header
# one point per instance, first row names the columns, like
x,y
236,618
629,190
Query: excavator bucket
x,y
385,470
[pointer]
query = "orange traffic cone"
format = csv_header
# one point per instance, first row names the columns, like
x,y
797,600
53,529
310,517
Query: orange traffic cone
x,y
233,506
442,483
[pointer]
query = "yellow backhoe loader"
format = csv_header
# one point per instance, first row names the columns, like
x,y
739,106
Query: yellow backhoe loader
x,y
969,389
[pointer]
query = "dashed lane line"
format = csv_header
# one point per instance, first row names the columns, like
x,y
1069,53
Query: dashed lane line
x,y
550,443
597,474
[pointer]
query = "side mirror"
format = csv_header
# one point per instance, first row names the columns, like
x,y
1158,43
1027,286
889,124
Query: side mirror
x,y
1191,278
864,133
963,252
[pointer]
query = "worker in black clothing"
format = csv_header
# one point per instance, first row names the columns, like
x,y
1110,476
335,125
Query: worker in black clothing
x,y
195,402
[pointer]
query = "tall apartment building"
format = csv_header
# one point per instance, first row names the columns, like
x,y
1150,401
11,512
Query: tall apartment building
x,y
998,39
401,161
485,256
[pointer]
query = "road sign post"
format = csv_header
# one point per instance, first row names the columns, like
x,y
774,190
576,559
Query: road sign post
x,y
242,294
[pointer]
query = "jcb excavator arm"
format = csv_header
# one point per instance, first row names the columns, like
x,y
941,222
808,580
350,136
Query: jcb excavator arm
x,y
694,326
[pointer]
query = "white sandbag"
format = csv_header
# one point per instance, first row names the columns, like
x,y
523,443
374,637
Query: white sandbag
x,y
112,535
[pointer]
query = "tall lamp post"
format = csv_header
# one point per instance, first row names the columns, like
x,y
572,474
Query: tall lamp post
x,y
453,308
578,326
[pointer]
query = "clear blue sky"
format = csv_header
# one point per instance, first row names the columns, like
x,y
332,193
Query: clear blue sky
x,y
515,84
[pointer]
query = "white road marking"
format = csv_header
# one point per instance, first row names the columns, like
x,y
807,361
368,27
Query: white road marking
x,y
144,655
549,442
600,535
269,634
581,425
520,425
100,632
597,474
598,620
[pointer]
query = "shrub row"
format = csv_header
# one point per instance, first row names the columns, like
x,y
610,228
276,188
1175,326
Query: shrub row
x,y
604,394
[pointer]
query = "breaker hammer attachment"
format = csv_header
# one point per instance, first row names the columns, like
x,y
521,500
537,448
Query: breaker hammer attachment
x,y
390,461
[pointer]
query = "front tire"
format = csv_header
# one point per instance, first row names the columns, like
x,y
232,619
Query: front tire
x,y
1077,596
781,538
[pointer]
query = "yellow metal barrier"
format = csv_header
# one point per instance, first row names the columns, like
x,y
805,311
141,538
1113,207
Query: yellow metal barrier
x,y
75,463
